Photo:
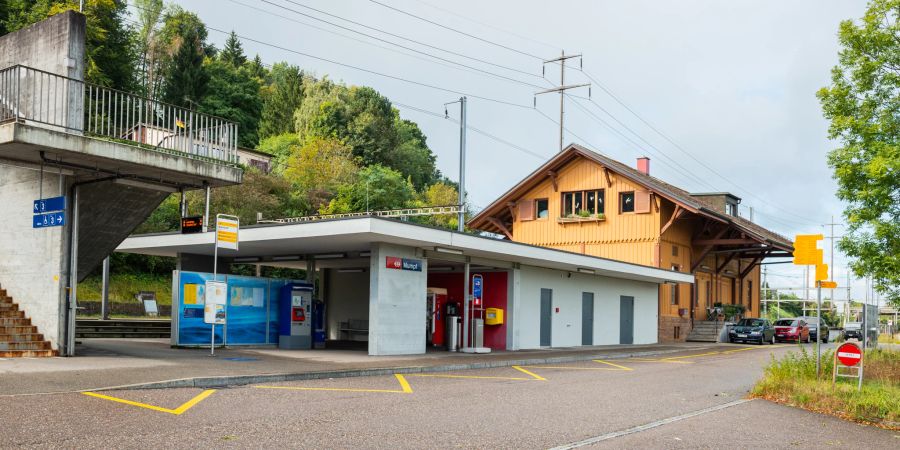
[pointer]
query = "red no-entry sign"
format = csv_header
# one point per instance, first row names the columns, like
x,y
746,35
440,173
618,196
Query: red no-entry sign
x,y
849,354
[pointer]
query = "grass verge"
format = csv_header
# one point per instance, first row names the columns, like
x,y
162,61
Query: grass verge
x,y
792,380
123,287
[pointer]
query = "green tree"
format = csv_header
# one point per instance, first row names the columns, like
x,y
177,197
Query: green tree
x,y
184,39
862,104
233,93
319,168
411,156
441,194
149,13
280,147
281,98
109,52
233,52
376,188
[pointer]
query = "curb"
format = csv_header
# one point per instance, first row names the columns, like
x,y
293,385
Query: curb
x,y
242,380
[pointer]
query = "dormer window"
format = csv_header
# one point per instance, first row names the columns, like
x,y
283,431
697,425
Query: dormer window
x,y
731,209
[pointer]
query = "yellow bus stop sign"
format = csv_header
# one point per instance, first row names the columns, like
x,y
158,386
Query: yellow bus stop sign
x,y
828,284
806,252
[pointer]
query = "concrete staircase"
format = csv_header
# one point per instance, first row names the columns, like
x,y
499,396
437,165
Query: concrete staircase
x,y
18,337
705,331
123,328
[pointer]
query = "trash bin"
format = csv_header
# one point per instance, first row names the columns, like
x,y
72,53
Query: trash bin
x,y
452,331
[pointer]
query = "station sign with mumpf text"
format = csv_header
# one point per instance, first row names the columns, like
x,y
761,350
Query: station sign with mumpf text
x,y
393,262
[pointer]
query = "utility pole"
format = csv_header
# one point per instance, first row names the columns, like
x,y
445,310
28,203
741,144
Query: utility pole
x,y
562,88
461,219
832,236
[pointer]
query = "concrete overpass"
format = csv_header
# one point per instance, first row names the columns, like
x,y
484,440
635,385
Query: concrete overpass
x,y
113,155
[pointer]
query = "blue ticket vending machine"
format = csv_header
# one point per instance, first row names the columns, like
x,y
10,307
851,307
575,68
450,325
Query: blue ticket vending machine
x,y
319,324
295,316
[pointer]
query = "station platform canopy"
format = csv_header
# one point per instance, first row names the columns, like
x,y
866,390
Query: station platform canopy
x,y
340,242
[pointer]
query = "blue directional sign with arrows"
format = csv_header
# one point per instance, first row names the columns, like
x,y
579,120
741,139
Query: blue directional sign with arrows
x,y
49,212
54,219
50,204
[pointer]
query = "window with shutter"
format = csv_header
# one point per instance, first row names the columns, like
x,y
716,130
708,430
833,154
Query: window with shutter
x,y
526,210
641,202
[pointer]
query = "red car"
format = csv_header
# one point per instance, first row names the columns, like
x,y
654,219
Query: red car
x,y
791,330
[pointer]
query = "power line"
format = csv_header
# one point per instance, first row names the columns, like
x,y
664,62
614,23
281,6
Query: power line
x,y
483,61
453,64
457,31
373,72
681,170
679,147
479,131
488,25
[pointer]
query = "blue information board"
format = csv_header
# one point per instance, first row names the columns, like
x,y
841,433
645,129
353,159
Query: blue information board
x,y
477,287
54,219
49,204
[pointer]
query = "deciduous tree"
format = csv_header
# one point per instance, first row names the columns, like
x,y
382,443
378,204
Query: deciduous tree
x,y
863,105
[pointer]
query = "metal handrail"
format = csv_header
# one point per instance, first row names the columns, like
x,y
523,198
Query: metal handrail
x,y
400,212
37,97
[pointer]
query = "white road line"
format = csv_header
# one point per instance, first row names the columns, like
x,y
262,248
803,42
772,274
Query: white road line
x,y
647,426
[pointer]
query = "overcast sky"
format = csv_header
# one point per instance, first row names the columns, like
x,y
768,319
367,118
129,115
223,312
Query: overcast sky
x,y
732,83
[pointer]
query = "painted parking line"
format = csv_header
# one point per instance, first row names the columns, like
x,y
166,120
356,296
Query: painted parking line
x,y
612,364
177,411
404,388
532,376
723,352
655,360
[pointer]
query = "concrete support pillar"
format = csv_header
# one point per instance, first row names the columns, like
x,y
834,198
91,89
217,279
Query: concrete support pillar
x,y
513,296
396,302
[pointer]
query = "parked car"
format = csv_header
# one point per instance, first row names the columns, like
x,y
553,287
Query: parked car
x,y
752,330
791,330
853,330
814,334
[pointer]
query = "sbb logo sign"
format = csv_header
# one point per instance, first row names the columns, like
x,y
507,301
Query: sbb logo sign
x,y
394,262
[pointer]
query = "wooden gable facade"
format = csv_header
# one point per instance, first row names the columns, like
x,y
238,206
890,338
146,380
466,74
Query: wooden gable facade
x,y
587,203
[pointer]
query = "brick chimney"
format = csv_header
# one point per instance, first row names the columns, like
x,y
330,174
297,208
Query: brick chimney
x,y
643,165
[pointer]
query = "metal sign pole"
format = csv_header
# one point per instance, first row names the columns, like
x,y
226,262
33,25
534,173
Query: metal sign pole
x,y
212,333
818,329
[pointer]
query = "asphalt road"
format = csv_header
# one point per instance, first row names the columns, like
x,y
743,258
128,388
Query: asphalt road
x,y
623,403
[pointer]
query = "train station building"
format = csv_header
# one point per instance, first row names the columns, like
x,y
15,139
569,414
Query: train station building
x,y
398,288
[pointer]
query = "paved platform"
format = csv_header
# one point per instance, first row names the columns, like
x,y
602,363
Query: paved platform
x,y
106,363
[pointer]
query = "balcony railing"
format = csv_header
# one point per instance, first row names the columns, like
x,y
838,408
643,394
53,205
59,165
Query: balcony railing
x,y
48,100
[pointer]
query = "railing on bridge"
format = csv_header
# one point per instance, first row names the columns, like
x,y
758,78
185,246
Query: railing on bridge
x,y
401,213
52,101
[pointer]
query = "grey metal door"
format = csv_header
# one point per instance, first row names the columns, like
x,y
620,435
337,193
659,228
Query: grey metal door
x,y
626,320
546,317
587,318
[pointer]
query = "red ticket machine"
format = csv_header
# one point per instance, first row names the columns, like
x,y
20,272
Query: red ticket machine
x,y
434,316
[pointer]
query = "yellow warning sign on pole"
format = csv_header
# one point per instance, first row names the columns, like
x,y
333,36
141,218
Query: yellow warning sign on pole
x,y
806,252
828,284
821,272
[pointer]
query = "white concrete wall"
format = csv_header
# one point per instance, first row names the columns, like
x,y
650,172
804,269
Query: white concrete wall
x,y
396,303
33,261
566,324
347,298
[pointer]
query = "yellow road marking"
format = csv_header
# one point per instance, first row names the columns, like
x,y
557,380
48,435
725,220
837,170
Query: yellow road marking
x,y
177,411
403,383
474,377
404,388
611,364
532,374
572,368
659,360
671,358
